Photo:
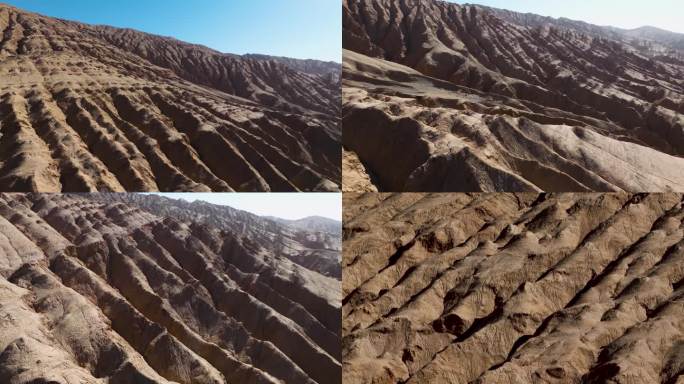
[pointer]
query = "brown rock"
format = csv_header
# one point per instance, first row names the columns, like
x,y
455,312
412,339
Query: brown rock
x,y
513,288
93,108
439,96
112,288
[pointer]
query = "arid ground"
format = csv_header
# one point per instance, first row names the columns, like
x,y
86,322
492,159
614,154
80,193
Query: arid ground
x,y
513,288
439,96
92,108
120,289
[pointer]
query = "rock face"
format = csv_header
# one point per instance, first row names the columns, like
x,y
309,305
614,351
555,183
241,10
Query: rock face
x,y
87,108
445,97
103,289
513,288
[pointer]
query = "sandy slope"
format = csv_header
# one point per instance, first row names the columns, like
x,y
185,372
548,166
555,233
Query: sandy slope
x,y
513,288
98,289
85,108
443,97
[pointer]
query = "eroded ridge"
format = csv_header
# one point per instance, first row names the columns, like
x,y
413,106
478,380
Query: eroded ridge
x,y
90,108
99,289
513,288
445,97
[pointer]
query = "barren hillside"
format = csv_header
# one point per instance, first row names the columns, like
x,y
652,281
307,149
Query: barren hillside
x,y
86,108
99,289
439,96
513,288
315,247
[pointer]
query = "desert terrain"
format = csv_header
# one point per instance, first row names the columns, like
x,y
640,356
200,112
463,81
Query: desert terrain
x,y
92,108
513,288
440,96
120,289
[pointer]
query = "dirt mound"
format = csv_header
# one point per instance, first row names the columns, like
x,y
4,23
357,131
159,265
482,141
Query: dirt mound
x,y
513,288
86,108
97,288
469,98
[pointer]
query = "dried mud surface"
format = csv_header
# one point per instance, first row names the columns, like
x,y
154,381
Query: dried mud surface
x,y
445,97
513,288
92,108
112,289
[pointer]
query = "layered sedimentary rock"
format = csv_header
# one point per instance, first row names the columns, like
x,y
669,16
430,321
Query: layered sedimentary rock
x,y
439,96
513,288
87,108
99,289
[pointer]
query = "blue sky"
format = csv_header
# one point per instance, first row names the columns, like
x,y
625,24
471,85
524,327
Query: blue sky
x,y
307,29
284,205
665,14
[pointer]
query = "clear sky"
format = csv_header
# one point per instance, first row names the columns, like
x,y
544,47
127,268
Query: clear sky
x,y
305,29
290,206
664,14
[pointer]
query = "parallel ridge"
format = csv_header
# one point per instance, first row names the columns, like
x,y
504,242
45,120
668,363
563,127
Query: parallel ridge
x,y
291,85
86,108
648,40
98,291
317,250
329,69
513,288
497,100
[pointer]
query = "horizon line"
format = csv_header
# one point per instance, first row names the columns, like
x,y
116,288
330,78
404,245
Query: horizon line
x,y
235,53
624,28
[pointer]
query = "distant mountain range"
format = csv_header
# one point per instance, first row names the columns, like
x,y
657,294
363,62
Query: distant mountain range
x,y
313,223
655,39
313,243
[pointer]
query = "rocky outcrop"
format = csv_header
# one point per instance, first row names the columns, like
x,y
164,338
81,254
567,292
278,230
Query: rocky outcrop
x,y
513,288
98,289
93,108
445,97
